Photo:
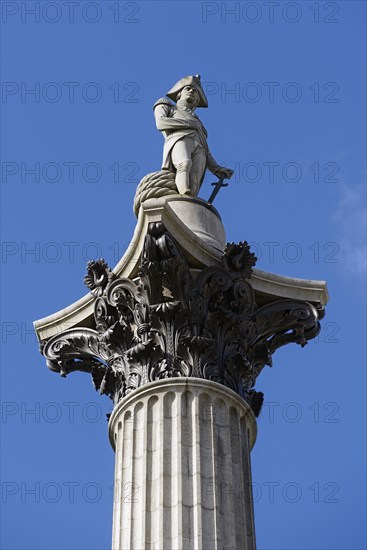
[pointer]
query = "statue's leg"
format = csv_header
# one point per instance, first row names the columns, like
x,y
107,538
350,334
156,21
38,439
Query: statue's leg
x,y
198,169
181,160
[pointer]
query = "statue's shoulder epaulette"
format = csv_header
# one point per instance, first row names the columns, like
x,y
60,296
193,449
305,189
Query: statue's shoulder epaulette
x,y
163,101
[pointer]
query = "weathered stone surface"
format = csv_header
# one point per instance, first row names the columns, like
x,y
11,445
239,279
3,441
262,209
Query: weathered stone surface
x,y
203,220
198,254
176,335
154,186
186,152
182,473
171,322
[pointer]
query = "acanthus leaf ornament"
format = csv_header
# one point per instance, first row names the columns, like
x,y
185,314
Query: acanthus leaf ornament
x,y
98,276
171,322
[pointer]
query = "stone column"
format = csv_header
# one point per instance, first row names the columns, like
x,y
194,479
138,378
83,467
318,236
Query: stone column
x,y
178,349
183,474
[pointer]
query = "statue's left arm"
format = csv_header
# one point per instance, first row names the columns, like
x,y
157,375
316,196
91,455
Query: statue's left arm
x,y
211,163
216,169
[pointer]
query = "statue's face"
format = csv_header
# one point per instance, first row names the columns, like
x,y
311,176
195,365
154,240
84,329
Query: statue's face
x,y
190,95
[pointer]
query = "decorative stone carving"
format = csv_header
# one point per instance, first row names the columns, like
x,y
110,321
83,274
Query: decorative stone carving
x,y
153,186
199,232
171,322
186,152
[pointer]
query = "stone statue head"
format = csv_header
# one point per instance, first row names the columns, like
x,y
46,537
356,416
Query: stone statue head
x,y
184,88
190,95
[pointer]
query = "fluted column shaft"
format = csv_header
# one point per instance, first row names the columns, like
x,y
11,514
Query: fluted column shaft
x,y
183,474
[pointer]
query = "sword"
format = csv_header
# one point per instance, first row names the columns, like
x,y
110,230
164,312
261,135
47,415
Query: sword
x,y
218,184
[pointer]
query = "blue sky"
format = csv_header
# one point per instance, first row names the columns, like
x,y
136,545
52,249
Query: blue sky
x,y
286,85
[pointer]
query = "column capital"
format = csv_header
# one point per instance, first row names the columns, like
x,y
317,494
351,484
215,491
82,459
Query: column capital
x,y
172,321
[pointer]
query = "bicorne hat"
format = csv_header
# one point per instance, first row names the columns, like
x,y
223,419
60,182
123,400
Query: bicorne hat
x,y
188,81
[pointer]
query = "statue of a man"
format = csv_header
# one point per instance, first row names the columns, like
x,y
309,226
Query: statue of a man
x,y
186,151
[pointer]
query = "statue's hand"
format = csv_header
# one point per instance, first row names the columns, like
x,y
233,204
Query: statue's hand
x,y
225,173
